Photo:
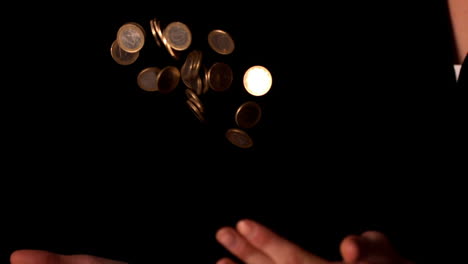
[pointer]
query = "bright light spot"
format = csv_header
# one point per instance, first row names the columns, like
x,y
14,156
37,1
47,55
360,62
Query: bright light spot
x,y
257,80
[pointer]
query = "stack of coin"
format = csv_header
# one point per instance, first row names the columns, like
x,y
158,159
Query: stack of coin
x,y
195,104
175,37
130,40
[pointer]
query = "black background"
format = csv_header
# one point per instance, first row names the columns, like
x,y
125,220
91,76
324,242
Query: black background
x,y
359,131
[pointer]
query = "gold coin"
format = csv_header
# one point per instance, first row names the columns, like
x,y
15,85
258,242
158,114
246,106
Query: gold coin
x,y
178,36
257,80
167,79
154,30
195,110
148,78
131,37
221,42
122,57
239,138
220,77
248,114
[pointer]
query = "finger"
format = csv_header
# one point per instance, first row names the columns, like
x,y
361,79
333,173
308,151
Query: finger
x,y
350,248
378,243
225,261
240,247
45,257
277,248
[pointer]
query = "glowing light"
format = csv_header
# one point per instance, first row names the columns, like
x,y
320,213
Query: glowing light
x,y
257,80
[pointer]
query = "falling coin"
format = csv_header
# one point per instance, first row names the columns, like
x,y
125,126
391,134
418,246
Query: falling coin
x,y
248,114
148,78
195,110
131,37
154,30
178,36
221,42
239,138
220,77
257,80
122,57
167,79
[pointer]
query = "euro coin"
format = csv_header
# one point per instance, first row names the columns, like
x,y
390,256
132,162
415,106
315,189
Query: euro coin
x,y
239,138
220,77
178,36
131,37
147,79
167,79
121,56
221,42
257,80
248,114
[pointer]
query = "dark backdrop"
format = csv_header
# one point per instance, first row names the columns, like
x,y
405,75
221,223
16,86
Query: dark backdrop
x,y
359,131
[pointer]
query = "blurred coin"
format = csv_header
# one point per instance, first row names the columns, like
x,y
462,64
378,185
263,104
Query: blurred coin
x,y
206,85
195,110
196,64
198,104
154,30
197,85
220,77
148,78
131,37
257,80
239,138
221,42
248,114
191,94
167,79
122,57
178,36
187,69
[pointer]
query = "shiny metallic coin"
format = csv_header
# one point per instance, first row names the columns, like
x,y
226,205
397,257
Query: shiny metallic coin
x,y
206,85
154,30
186,71
148,78
198,104
220,77
191,94
221,42
178,36
257,80
248,114
196,64
167,79
195,110
197,85
239,138
131,37
122,57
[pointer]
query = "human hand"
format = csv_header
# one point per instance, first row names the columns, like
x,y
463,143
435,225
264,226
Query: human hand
x,y
253,243
45,257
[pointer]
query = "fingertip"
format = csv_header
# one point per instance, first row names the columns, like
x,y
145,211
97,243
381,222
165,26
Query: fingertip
x,y
350,249
27,256
225,261
375,236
